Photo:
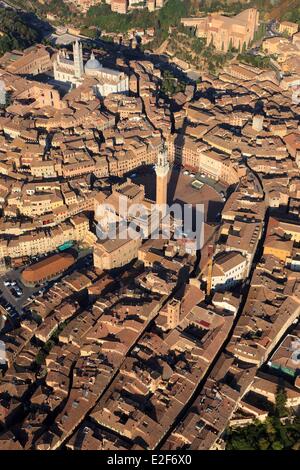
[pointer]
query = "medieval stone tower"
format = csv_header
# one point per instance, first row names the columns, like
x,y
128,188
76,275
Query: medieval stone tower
x,y
162,169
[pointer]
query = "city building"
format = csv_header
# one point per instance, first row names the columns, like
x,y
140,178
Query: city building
x,y
119,6
111,254
31,61
229,268
153,5
288,27
47,269
225,32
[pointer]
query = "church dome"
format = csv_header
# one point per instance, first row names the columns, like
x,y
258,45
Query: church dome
x,y
93,63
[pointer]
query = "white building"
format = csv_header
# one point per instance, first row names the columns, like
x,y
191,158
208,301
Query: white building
x,y
226,302
228,269
74,72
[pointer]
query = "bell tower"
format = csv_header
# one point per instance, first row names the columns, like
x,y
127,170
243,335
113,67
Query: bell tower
x,y
78,59
162,169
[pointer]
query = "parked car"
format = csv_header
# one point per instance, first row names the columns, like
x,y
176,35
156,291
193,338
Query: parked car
x,y
15,293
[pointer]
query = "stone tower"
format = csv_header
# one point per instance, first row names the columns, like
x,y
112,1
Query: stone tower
x,y
78,59
162,169
173,313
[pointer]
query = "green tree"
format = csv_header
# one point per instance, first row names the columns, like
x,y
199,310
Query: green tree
x,y
170,15
16,33
270,429
277,445
263,443
170,84
280,402
272,434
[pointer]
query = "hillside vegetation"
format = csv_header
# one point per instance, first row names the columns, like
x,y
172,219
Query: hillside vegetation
x,y
15,33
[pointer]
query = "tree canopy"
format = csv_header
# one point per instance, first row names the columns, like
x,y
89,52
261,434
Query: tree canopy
x,y
16,34
170,84
59,8
170,15
272,434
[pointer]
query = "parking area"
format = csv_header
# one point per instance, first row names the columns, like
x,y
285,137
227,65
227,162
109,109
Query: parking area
x,y
15,296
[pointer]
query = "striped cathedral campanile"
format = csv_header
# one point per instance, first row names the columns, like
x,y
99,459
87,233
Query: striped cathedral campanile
x,y
162,168
78,59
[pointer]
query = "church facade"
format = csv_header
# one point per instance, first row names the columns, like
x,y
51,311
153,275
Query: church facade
x,y
74,72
